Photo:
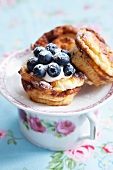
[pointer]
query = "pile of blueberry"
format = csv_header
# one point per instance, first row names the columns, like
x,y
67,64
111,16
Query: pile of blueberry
x,y
50,59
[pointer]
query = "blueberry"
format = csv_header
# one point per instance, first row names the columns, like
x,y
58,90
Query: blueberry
x,y
51,47
31,63
57,50
68,69
66,51
53,69
37,50
39,71
45,57
61,58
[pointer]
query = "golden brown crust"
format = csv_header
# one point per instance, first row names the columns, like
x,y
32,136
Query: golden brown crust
x,y
44,92
62,36
93,56
49,96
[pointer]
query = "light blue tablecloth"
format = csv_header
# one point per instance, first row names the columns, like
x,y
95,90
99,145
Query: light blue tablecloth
x,y
21,23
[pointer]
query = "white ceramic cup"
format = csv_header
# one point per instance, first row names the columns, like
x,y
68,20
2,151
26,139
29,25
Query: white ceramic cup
x,y
58,133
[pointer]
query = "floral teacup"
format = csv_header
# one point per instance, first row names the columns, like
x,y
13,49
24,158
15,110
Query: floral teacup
x,y
58,133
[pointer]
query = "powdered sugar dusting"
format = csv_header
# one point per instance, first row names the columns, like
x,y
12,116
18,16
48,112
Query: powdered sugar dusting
x,y
41,84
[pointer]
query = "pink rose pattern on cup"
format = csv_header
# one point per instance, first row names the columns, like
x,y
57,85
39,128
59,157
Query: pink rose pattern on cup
x,y
59,129
22,115
36,125
65,127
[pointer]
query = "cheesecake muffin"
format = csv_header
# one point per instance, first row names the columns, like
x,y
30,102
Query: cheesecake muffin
x,y
49,77
93,57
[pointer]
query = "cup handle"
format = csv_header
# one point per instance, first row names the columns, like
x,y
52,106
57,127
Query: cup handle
x,y
93,126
